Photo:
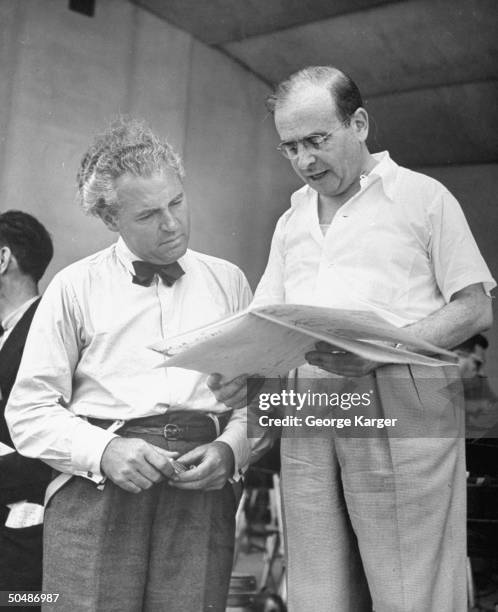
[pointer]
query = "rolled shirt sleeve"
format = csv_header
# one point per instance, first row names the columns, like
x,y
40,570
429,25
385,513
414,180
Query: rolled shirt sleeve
x,y
456,258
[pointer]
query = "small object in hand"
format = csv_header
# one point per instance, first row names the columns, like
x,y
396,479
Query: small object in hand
x,y
179,467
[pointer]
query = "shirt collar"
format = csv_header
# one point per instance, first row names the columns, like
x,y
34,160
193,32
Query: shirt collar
x,y
387,171
127,257
14,317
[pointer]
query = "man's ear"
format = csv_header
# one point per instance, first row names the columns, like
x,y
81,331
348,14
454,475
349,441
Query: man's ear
x,y
6,256
109,217
360,122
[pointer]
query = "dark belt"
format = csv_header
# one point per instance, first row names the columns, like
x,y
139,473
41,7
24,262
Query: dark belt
x,y
180,425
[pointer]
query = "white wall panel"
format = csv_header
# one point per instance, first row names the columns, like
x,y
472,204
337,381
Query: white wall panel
x,y
66,76
237,182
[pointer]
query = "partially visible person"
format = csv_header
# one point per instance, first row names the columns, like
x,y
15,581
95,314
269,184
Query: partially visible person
x,y
128,531
481,418
25,252
472,358
481,407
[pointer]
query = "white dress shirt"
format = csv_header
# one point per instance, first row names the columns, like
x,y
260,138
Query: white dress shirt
x,y
400,246
87,355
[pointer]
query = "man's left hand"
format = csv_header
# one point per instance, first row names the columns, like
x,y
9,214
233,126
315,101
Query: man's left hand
x,y
213,465
331,359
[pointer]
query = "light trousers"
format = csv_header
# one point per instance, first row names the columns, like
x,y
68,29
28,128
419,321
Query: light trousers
x,y
379,523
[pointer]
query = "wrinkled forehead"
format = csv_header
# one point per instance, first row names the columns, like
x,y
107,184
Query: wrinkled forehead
x,y
305,110
159,185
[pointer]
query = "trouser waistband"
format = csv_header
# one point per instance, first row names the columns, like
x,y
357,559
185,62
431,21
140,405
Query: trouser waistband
x,y
175,425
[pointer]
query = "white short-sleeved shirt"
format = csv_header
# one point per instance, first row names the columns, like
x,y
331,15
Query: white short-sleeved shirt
x,y
401,247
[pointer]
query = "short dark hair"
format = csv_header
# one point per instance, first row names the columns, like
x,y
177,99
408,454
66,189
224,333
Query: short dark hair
x,y
469,345
343,89
28,240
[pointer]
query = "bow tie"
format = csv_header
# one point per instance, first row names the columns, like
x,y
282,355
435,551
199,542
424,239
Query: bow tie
x,y
144,272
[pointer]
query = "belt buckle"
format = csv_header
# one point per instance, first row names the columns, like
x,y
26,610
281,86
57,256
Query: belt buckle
x,y
172,431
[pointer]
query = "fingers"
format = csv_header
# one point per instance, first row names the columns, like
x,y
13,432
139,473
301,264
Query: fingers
x,y
226,388
142,482
325,360
326,347
193,456
340,362
160,461
208,475
135,465
203,463
232,393
197,474
216,463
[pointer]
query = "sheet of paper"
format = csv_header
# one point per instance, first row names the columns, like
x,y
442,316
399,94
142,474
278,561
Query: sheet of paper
x,y
272,340
347,324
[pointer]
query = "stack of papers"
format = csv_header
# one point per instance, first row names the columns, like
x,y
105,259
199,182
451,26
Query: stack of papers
x,y
271,340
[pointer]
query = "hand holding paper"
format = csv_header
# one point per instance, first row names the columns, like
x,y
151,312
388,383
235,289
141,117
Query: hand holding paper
x,y
327,357
271,340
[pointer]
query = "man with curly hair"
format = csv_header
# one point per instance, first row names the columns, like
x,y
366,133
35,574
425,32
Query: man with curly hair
x,y
127,531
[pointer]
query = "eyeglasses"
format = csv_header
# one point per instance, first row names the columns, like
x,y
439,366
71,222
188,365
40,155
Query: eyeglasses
x,y
316,142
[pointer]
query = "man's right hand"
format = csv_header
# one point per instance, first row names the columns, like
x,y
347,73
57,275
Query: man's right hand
x,y
135,465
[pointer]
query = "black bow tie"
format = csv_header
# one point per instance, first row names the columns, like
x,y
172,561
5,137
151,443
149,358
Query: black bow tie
x,y
144,272
2,330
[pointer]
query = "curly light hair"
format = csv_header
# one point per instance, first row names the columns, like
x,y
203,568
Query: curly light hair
x,y
128,146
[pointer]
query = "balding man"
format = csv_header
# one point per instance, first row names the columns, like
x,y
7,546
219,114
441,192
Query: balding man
x,y
379,521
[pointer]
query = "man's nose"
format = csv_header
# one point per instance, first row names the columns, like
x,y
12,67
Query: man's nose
x,y
305,157
168,222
